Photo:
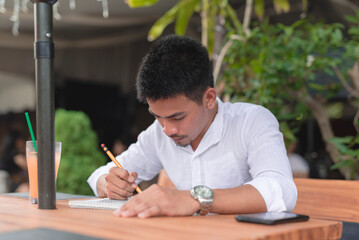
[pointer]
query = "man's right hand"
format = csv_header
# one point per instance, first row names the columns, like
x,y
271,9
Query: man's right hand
x,y
117,184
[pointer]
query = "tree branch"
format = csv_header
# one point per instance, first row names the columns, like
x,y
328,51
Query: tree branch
x,y
345,84
204,22
247,17
223,53
322,118
355,121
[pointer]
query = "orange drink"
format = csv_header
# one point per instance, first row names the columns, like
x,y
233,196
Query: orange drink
x,y
31,159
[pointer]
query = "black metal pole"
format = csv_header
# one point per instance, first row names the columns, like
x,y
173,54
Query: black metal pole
x,y
45,103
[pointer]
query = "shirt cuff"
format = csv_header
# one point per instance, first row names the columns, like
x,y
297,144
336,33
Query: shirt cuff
x,y
92,180
271,192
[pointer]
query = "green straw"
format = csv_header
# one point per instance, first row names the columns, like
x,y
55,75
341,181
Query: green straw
x,y
31,132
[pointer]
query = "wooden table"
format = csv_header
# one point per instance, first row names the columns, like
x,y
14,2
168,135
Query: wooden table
x,y
18,214
328,199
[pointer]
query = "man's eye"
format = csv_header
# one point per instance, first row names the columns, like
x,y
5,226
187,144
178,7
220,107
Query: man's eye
x,y
178,119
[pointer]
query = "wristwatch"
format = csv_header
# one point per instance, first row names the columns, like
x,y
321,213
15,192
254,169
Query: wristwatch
x,y
204,195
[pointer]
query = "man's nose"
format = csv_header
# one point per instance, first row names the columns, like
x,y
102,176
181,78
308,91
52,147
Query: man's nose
x,y
169,128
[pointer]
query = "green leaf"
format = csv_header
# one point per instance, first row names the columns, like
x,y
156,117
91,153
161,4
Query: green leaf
x,y
354,31
157,28
259,8
345,163
140,3
233,16
338,140
337,36
343,145
299,117
287,132
316,86
223,3
335,110
356,140
352,19
305,5
185,12
281,6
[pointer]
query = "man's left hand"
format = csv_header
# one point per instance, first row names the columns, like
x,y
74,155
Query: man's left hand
x,y
159,201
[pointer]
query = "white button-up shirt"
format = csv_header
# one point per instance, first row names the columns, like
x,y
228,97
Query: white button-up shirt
x,y
243,145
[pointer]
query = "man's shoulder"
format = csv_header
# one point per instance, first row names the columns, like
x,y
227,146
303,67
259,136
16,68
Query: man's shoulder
x,y
247,113
241,108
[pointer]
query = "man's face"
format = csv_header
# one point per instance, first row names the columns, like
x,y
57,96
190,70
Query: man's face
x,y
182,119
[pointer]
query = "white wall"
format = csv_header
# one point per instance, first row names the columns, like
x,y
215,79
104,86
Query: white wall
x,y
17,93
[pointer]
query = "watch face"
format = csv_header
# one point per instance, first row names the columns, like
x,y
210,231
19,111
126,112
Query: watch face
x,y
203,191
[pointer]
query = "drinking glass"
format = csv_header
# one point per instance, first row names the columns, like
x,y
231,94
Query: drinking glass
x,y
31,159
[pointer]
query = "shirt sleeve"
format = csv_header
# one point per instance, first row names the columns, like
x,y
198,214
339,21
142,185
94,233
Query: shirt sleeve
x,y
92,180
140,157
268,161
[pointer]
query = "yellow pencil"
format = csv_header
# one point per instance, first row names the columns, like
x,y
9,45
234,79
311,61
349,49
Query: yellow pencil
x,y
115,161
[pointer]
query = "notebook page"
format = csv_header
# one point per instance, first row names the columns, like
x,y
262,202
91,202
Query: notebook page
x,y
99,203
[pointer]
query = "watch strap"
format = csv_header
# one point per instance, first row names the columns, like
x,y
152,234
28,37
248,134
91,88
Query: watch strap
x,y
205,204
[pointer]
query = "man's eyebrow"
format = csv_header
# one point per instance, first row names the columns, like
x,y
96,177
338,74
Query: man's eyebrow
x,y
170,116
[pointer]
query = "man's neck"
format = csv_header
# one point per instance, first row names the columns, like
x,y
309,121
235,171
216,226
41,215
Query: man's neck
x,y
195,143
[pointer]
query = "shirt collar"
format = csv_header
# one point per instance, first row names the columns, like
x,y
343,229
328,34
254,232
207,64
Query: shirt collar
x,y
214,132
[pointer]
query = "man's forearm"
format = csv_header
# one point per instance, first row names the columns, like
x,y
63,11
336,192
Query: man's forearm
x,y
243,199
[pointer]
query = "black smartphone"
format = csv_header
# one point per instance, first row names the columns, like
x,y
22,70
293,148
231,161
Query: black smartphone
x,y
271,218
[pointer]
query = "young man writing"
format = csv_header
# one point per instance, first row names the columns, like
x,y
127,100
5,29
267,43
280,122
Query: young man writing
x,y
222,157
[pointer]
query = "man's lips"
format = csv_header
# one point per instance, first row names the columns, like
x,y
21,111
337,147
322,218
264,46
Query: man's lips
x,y
177,138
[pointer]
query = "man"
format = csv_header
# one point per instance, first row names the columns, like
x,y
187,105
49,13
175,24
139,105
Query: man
x,y
222,157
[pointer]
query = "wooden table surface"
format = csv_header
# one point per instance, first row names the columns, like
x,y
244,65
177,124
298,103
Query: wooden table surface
x,y
18,214
328,199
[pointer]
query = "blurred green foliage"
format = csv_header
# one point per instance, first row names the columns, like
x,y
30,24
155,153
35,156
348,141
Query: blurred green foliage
x,y
209,10
276,67
349,148
81,153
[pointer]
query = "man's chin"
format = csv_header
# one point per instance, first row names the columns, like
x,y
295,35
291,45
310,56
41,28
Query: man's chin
x,y
182,143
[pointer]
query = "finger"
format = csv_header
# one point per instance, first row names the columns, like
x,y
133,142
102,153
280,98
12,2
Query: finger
x,y
132,177
132,212
139,201
115,182
125,175
131,207
118,212
150,212
118,192
118,195
120,172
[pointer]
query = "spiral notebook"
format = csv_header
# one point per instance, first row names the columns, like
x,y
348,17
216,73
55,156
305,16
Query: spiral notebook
x,y
98,203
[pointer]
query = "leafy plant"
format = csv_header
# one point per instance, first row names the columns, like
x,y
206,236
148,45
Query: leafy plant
x,y
276,66
214,14
80,155
349,148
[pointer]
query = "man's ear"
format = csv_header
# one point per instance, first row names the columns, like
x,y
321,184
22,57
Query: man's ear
x,y
209,98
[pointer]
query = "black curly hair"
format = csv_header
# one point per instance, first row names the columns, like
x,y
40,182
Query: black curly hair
x,y
174,65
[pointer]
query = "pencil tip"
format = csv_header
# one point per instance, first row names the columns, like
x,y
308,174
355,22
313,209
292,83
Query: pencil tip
x,y
102,145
